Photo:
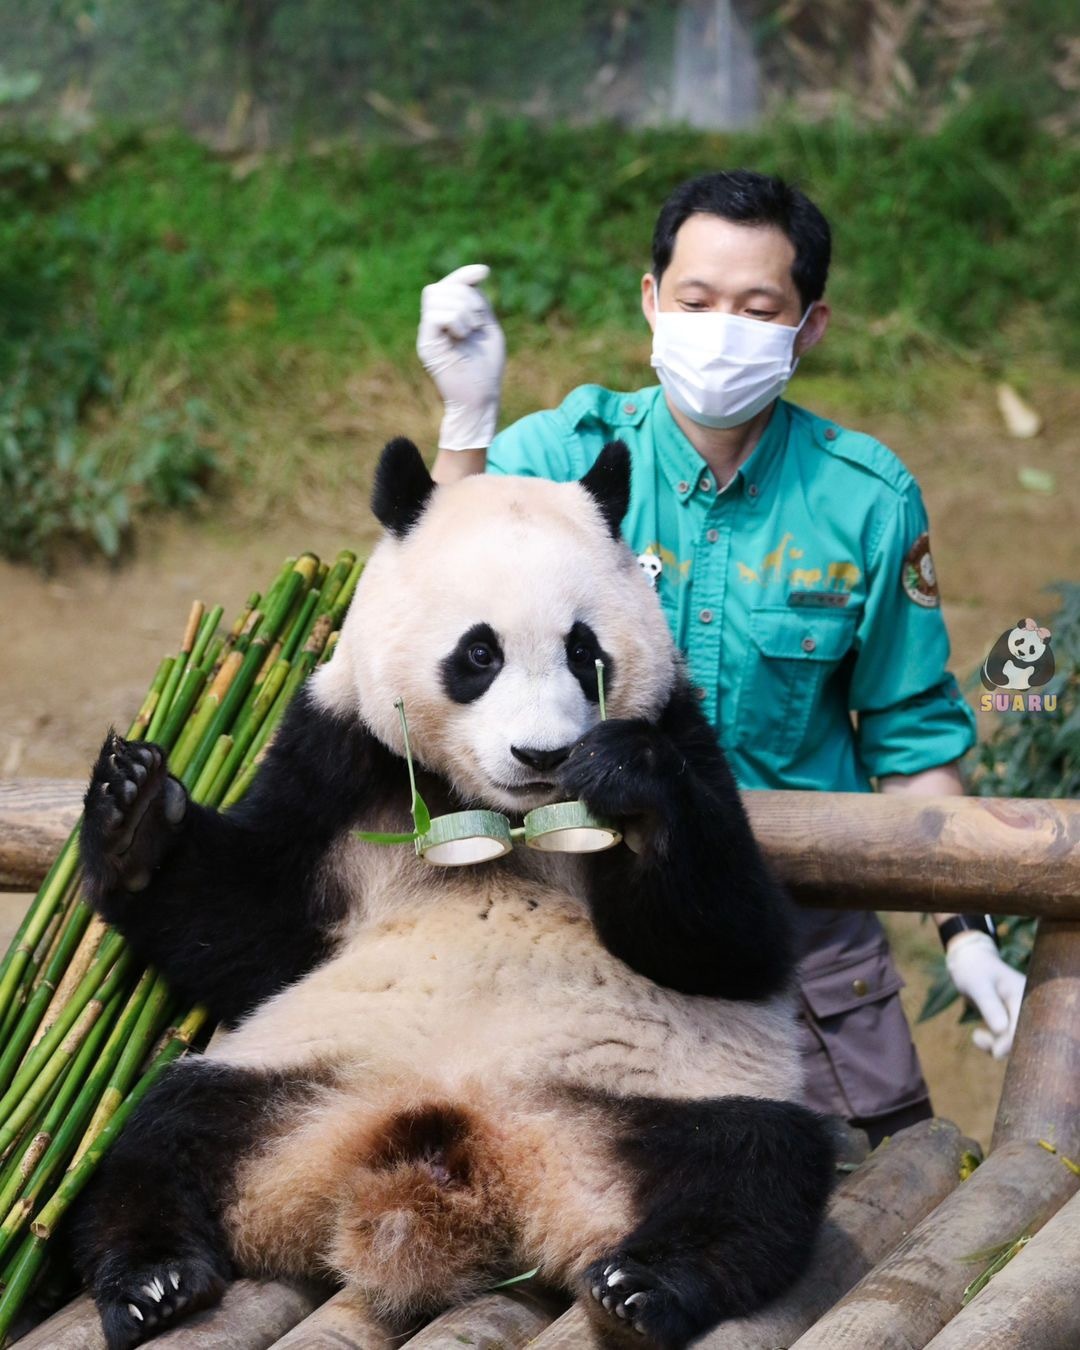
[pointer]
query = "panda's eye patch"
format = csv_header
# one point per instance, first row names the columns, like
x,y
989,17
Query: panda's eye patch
x,y
473,665
582,650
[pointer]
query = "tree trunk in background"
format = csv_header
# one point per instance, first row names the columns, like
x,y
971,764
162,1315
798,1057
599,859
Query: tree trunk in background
x,y
714,81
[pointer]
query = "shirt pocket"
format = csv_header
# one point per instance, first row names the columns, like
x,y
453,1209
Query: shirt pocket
x,y
789,656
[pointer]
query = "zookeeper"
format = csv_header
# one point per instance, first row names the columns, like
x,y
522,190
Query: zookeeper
x,y
791,559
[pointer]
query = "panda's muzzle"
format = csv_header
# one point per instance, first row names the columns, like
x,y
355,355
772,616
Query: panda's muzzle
x,y
542,760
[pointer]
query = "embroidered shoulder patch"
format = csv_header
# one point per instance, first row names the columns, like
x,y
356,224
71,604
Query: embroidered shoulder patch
x,y
917,575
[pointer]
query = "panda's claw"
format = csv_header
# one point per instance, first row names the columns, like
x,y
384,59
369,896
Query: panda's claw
x,y
627,1291
136,1304
133,812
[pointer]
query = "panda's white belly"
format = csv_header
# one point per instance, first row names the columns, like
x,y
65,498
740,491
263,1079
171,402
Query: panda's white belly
x,y
439,994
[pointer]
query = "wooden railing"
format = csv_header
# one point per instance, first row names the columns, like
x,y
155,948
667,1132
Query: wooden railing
x,y
858,851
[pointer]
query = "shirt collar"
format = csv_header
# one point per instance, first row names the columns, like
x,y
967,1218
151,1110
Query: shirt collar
x,y
689,476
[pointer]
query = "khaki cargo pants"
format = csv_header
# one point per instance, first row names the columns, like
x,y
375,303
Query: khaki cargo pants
x,y
857,1050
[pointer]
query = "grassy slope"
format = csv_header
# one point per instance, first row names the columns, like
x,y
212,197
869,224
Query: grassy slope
x,y
268,308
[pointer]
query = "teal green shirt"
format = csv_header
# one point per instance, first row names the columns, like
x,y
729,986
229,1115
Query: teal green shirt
x,y
800,594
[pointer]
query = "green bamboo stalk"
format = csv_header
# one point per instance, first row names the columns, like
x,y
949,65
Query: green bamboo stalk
x,y
24,1271
40,999
345,595
207,629
243,738
79,1174
198,728
106,958
220,753
137,731
139,1026
300,629
191,687
253,657
39,1160
37,918
216,730
168,693
49,1072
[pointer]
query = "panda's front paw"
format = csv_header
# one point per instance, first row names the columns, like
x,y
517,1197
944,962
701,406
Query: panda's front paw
x,y
136,1302
624,770
133,811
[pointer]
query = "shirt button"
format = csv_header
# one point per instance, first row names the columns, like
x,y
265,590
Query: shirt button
x,y
706,484
752,489
830,433
682,487
859,988
705,616
629,409
699,694
712,536
808,644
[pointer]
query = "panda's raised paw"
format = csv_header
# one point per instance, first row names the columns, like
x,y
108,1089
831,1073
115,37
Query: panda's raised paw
x,y
622,768
133,808
139,1302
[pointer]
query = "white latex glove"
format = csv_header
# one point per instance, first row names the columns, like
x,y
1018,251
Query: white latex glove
x,y
991,984
463,350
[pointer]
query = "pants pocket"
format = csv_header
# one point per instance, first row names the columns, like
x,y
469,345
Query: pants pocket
x,y
858,1054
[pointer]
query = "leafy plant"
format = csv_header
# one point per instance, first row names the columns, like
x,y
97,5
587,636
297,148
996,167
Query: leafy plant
x,y
1029,754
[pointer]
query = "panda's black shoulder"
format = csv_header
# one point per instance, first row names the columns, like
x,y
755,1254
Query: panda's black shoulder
x,y
321,762
683,720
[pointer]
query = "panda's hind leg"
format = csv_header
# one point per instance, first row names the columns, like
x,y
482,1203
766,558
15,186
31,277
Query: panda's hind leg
x,y
728,1195
147,1233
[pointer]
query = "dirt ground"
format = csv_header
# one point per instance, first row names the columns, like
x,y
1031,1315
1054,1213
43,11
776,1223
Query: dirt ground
x,y
79,648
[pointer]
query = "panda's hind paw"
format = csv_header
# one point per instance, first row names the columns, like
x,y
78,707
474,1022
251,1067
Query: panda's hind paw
x,y
133,809
138,1302
634,1301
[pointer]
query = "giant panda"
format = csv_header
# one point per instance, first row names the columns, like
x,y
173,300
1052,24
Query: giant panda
x,y
430,1079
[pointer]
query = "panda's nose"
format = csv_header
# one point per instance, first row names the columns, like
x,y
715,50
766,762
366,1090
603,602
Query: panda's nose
x,y
539,759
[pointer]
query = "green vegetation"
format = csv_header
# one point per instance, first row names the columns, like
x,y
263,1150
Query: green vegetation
x,y
166,311
1028,755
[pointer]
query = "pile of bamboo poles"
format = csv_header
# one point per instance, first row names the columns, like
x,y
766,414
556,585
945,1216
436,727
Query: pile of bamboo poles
x,y
84,1032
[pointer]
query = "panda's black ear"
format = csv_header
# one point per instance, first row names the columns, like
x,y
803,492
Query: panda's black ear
x,y
402,486
608,482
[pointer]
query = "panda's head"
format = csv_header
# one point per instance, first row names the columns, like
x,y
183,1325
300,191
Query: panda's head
x,y
1026,643
484,607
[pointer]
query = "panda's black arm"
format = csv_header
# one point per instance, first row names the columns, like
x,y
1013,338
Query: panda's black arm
x,y
698,910
230,906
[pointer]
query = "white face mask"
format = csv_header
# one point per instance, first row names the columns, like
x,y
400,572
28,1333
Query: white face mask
x,y
722,369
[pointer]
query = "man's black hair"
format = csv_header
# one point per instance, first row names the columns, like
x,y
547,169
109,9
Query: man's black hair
x,y
749,198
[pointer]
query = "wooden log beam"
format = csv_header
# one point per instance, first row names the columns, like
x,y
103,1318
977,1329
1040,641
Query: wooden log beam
x,y
1033,1301
849,850
343,1322
1040,1098
872,1209
917,1289
253,1315
865,850
499,1321
36,816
